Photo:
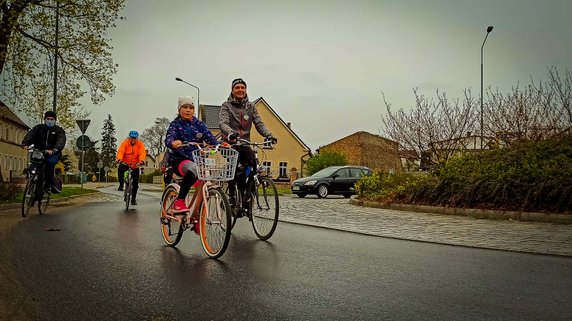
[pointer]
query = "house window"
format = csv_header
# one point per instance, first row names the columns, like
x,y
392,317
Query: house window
x,y
266,167
283,169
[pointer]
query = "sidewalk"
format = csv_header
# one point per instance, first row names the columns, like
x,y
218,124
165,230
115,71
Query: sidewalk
x,y
414,225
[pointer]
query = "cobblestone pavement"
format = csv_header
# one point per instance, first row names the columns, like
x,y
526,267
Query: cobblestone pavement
x,y
337,213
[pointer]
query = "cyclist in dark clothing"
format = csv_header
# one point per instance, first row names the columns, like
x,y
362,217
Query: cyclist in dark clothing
x,y
50,138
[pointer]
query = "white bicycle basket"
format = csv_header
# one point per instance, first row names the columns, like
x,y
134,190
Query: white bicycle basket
x,y
215,165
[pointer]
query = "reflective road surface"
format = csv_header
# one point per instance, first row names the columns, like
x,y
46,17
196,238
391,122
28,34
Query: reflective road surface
x,y
99,262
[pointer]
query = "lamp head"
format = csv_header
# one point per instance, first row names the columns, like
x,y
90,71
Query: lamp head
x,y
179,79
489,29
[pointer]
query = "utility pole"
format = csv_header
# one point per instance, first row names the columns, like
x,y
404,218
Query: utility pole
x,y
56,57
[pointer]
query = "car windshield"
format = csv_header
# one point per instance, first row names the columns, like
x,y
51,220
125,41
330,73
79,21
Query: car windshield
x,y
325,172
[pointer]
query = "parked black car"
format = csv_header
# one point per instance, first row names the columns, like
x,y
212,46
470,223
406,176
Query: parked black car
x,y
330,180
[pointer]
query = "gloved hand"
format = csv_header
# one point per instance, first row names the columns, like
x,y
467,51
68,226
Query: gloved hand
x,y
272,139
232,137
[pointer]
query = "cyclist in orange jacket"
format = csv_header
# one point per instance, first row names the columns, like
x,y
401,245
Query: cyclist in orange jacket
x,y
132,153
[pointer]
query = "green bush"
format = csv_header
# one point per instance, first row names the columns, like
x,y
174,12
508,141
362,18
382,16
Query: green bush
x,y
530,176
148,178
9,191
382,185
323,160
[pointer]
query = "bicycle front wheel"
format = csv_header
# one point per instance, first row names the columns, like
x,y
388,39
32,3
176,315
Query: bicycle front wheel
x,y
265,208
215,223
172,230
127,193
29,196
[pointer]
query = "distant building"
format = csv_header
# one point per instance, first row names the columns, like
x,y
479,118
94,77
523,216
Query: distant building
x,y
13,159
441,151
365,149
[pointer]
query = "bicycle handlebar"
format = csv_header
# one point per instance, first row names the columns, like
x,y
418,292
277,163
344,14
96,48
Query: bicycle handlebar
x,y
204,145
242,141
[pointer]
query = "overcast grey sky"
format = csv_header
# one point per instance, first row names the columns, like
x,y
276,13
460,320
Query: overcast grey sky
x,y
322,64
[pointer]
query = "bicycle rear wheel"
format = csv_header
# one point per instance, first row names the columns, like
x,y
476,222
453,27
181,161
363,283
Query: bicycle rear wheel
x,y
171,229
265,208
29,196
44,201
215,222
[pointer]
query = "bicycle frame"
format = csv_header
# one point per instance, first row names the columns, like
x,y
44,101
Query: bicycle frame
x,y
250,180
196,199
260,206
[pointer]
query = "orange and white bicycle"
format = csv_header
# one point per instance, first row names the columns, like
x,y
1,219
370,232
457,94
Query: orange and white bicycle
x,y
209,212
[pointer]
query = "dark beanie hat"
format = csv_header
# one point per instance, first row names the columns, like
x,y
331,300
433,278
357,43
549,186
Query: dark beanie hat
x,y
50,113
236,82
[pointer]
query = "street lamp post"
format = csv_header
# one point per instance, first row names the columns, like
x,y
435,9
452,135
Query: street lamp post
x,y
197,88
489,29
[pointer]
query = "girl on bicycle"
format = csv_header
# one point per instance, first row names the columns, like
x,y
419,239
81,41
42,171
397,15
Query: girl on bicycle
x,y
186,128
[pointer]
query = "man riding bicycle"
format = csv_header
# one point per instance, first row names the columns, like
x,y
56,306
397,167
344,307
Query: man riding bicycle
x,y
50,138
236,117
132,153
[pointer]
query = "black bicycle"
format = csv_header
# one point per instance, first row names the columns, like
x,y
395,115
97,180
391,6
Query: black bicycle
x,y
259,199
128,190
35,188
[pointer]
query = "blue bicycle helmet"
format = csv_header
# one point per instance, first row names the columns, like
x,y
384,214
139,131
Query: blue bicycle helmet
x,y
133,134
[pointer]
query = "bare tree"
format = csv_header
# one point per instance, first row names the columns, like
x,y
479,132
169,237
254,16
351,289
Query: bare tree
x,y
154,137
535,112
437,126
432,125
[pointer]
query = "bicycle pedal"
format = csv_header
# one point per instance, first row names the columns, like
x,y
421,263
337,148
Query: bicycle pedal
x,y
164,221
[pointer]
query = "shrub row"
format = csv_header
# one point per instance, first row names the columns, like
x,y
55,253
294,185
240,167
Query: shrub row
x,y
530,176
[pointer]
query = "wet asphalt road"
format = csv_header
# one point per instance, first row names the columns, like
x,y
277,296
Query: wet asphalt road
x,y
108,264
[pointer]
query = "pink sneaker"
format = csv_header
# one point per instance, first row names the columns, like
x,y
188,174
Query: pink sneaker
x,y
180,206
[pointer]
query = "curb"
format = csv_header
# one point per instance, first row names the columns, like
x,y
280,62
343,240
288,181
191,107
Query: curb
x,y
472,212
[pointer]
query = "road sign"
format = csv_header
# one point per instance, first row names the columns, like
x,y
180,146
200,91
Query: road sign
x,y
83,124
83,143
106,169
99,164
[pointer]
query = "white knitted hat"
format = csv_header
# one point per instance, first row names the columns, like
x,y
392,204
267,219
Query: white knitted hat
x,y
187,100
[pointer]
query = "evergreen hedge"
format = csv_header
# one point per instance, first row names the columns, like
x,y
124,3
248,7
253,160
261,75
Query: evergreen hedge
x,y
529,176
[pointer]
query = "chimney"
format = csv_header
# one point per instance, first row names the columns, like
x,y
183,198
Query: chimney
x,y
289,124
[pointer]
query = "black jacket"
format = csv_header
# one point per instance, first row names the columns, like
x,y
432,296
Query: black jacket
x,y
45,138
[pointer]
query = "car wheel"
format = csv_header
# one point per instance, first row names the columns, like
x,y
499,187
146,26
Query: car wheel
x,y
301,195
322,191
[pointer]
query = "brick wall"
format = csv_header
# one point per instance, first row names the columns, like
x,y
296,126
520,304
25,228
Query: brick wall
x,y
369,150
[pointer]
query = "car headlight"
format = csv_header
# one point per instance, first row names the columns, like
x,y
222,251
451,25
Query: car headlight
x,y
310,183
